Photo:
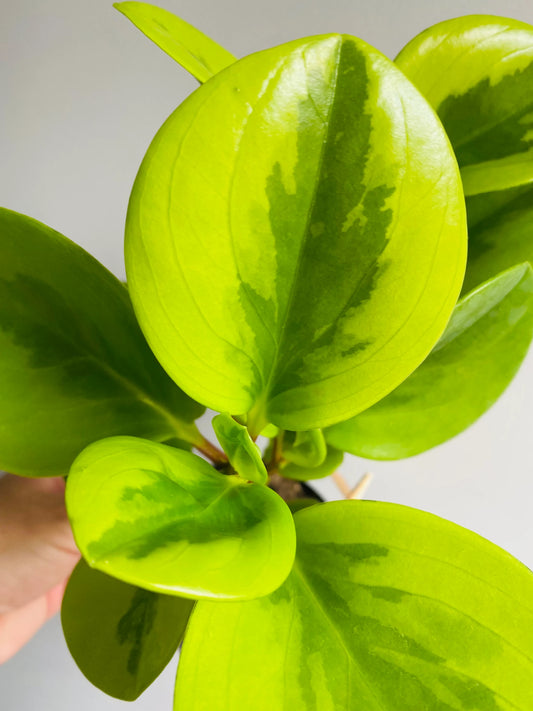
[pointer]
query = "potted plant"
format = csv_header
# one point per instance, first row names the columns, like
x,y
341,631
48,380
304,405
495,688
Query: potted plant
x,y
296,252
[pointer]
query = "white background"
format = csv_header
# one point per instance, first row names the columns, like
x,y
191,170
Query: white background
x,y
82,92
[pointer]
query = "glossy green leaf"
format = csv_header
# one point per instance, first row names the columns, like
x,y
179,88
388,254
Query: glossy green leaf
x,y
244,455
120,636
331,462
386,609
475,360
196,52
74,365
477,72
165,520
500,174
305,449
501,233
264,248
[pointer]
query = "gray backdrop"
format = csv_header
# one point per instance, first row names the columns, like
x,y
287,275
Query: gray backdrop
x,y
83,93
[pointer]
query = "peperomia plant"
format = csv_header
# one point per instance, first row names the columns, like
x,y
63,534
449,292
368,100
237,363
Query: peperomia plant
x,y
296,247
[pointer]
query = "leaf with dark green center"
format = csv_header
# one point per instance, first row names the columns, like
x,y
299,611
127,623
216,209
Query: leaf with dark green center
x,y
305,449
244,455
165,520
386,608
477,72
120,636
74,365
475,360
263,250
196,52
331,462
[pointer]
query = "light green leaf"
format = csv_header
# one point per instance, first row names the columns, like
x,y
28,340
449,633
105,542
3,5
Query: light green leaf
x,y
501,233
120,636
196,52
332,461
305,449
244,455
386,608
477,72
264,248
501,174
475,360
165,520
74,365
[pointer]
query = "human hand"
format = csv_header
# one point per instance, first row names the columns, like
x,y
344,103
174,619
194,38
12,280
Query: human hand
x,y
37,554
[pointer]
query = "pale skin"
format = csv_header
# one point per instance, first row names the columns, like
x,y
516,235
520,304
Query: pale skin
x,y
37,555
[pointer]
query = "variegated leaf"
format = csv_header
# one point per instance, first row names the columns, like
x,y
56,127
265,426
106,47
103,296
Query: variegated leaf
x,y
165,520
477,72
386,608
477,357
120,636
74,365
278,214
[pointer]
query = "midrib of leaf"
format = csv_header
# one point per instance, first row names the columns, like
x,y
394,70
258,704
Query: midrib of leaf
x,y
305,233
340,636
181,429
168,522
297,569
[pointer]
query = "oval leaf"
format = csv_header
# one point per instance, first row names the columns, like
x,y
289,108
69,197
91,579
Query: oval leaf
x,y
196,52
244,455
386,608
263,249
475,360
120,636
74,365
165,520
477,72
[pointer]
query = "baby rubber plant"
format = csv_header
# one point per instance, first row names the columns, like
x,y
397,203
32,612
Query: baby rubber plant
x,y
296,247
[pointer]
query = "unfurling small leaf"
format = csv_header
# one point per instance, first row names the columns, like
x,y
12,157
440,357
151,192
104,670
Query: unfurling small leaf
x,y
244,455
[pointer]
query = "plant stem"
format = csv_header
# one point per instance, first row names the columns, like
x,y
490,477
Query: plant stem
x,y
273,463
216,455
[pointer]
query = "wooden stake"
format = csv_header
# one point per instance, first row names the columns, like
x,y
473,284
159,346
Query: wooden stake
x,y
340,481
359,489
